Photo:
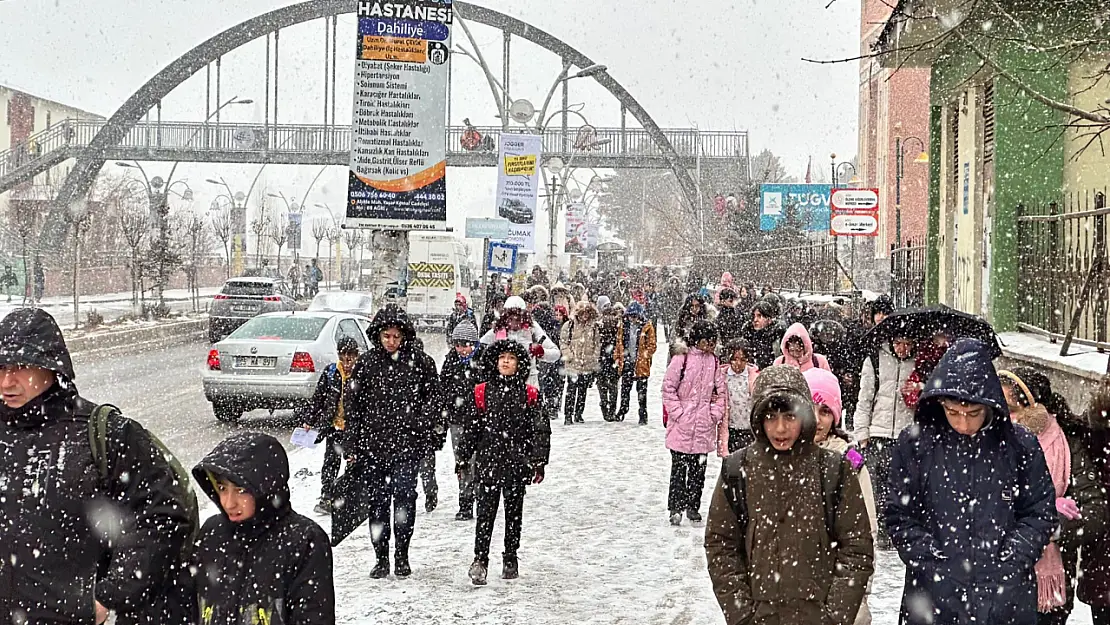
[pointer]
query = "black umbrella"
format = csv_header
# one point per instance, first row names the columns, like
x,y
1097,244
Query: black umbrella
x,y
922,323
352,507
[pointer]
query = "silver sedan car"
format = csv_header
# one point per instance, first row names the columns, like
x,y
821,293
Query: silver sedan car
x,y
274,360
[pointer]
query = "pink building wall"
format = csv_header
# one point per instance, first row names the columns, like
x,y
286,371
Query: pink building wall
x,y
893,103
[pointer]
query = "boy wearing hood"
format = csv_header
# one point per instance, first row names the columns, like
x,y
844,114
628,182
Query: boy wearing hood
x,y
510,439
639,347
462,371
971,504
788,538
56,565
258,561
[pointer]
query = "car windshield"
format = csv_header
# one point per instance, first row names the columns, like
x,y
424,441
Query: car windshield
x,y
244,287
340,301
290,328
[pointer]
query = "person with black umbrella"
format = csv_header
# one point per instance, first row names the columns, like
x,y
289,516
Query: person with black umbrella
x,y
391,411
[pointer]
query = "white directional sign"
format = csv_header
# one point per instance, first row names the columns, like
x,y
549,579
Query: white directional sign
x,y
855,213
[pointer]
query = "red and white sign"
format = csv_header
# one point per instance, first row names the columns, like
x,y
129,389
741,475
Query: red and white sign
x,y
855,213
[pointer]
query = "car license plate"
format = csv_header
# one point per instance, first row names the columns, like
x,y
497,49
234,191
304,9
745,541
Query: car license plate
x,y
255,362
244,309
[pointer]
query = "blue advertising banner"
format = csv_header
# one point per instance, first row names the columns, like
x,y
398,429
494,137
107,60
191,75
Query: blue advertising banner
x,y
810,201
398,166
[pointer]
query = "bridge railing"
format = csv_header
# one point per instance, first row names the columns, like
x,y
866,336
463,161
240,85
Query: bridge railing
x,y
52,145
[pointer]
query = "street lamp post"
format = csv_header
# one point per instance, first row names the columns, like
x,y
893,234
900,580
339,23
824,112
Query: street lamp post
x,y
899,173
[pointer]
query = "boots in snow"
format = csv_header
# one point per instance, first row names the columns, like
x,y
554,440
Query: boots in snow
x,y
323,507
478,572
569,420
693,515
431,500
381,569
465,514
643,420
676,518
401,566
578,419
511,569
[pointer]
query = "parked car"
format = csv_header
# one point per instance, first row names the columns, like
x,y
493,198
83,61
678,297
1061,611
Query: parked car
x,y
344,301
243,298
515,211
274,360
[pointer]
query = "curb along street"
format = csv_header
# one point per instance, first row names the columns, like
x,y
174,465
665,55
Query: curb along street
x,y
138,339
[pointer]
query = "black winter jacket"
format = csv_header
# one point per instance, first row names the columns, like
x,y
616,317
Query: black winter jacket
x,y
273,569
456,386
55,508
511,437
730,325
969,515
391,404
323,409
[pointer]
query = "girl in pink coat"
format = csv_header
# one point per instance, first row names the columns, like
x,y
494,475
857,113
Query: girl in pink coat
x,y
694,398
797,350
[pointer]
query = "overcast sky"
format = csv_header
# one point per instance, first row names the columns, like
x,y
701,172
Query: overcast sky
x,y
716,64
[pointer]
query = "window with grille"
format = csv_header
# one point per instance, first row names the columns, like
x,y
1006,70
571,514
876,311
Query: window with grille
x,y
988,122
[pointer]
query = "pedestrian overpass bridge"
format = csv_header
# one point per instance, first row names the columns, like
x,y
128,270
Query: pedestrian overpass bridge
x,y
325,144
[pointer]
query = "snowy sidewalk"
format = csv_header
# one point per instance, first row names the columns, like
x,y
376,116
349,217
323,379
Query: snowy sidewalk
x,y
596,548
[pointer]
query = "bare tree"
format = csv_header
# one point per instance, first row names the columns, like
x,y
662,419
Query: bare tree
x,y
135,226
319,232
279,234
25,221
79,222
335,237
353,238
221,229
260,226
197,246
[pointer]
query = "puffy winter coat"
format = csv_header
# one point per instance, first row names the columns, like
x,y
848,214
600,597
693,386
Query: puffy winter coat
x,y
392,403
881,412
764,344
457,380
694,396
274,568
581,343
788,538
53,503
1077,534
322,410
969,515
808,360
645,346
730,324
510,436
611,361
527,336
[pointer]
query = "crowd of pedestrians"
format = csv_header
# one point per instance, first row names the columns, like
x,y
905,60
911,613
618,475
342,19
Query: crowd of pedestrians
x,y
992,492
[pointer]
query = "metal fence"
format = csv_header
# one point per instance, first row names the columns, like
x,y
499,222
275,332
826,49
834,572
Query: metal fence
x,y
907,273
811,267
1063,276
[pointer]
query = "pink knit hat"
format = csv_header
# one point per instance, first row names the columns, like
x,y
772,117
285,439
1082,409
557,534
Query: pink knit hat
x,y
825,389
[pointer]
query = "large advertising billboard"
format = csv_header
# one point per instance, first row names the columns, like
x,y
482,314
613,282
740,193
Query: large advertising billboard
x,y
808,202
518,187
398,169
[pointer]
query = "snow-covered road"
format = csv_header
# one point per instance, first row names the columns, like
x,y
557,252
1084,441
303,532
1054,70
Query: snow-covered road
x,y
596,547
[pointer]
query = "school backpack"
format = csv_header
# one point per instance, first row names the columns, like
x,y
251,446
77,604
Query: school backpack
x,y
832,481
178,602
532,392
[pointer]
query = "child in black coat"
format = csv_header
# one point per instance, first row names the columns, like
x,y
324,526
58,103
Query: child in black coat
x,y
258,561
510,438
462,371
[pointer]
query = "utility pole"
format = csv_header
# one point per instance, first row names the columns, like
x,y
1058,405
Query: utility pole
x,y
553,223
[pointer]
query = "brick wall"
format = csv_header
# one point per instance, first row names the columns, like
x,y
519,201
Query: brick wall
x,y
100,280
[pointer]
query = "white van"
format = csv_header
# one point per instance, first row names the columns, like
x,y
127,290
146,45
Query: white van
x,y
438,271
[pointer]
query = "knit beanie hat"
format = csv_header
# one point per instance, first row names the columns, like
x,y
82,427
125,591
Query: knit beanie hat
x,y
825,390
465,332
